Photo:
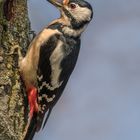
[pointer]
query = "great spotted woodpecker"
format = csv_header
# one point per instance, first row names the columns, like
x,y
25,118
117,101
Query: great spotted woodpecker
x,y
52,56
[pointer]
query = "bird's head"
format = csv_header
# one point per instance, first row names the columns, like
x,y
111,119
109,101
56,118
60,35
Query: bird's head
x,y
77,12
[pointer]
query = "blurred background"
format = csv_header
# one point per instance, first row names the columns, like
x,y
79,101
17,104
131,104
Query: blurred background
x,y
102,98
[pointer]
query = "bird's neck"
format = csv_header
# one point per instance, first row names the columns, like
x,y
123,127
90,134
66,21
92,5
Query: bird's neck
x,y
71,28
66,27
68,30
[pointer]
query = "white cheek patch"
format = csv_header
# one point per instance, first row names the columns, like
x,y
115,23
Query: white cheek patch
x,y
81,14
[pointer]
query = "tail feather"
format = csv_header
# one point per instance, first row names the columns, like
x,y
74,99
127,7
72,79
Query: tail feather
x,y
47,117
41,118
31,128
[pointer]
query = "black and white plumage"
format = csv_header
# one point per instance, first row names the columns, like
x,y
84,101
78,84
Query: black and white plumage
x,y
52,56
62,53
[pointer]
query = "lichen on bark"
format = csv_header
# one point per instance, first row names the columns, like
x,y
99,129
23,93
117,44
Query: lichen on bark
x,y
14,30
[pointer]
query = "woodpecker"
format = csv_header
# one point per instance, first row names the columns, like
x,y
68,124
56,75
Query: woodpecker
x,y
52,56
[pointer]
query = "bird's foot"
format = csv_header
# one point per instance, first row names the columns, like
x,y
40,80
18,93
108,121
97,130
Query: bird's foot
x,y
15,47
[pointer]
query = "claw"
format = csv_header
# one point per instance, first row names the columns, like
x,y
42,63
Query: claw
x,y
13,49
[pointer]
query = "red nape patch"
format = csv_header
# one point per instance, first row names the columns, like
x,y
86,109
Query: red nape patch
x,y
32,99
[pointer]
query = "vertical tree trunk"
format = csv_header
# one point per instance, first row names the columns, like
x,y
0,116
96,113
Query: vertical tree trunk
x,y
14,30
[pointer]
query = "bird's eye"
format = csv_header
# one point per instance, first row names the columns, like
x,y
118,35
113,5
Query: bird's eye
x,y
73,6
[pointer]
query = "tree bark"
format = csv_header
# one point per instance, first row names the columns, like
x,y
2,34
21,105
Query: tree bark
x,y
14,30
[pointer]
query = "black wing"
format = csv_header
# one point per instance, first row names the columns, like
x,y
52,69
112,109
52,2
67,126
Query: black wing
x,y
57,60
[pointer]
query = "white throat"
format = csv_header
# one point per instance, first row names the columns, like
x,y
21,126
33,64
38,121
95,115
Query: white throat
x,y
73,32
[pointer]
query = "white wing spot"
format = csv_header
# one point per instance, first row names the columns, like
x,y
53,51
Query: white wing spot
x,y
43,107
40,77
47,85
47,98
81,14
39,98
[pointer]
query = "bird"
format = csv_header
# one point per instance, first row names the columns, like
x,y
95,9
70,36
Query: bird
x,y
52,56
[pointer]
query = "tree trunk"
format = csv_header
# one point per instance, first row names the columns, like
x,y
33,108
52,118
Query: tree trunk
x,y
14,30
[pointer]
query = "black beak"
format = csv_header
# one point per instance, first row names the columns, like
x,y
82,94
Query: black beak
x,y
55,3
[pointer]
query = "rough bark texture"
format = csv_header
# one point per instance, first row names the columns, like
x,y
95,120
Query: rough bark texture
x,y
14,30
